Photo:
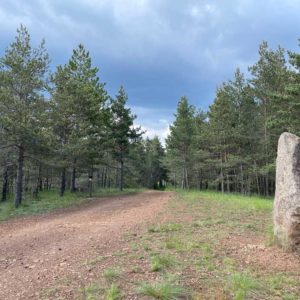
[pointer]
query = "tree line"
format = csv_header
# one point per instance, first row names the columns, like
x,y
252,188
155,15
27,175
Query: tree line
x,y
62,130
232,147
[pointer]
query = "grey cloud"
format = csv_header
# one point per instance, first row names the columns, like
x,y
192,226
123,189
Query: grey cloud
x,y
158,49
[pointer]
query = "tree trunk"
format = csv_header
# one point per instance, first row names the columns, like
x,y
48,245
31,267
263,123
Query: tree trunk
x,y
121,175
174,180
19,182
118,176
63,182
90,182
73,179
26,180
256,179
267,184
40,178
5,184
98,178
222,181
201,183
242,180
198,180
46,183
105,177
228,183
186,179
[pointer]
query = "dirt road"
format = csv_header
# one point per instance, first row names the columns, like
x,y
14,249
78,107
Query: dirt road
x,y
37,252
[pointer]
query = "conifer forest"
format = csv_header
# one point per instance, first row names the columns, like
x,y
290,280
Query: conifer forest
x,y
62,131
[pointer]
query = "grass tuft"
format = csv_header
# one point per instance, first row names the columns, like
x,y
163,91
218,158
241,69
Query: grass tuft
x,y
91,291
113,293
111,274
242,284
175,243
162,291
165,228
161,262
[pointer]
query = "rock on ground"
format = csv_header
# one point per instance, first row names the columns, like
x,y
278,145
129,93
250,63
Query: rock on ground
x,y
287,197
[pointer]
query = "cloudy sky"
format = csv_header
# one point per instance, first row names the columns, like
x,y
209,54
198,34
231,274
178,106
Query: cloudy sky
x,y
158,49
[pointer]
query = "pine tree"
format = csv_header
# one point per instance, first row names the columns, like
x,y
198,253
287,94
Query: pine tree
x,y
269,77
78,112
122,132
200,149
289,110
179,142
154,171
23,71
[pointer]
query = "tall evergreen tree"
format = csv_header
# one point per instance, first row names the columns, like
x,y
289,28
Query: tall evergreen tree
x,y
289,110
77,111
23,72
122,132
178,143
269,77
154,171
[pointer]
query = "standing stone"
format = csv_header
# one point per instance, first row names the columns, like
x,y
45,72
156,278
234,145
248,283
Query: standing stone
x,y
287,195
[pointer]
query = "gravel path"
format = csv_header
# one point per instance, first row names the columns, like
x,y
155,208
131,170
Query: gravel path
x,y
36,252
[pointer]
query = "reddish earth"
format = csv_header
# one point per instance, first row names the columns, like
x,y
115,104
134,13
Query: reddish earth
x,y
250,251
37,252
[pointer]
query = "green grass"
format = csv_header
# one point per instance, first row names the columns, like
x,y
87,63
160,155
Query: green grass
x,y
91,291
113,293
165,228
242,285
176,243
161,262
111,274
207,259
233,200
162,291
50,200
